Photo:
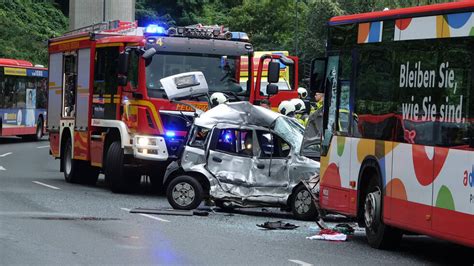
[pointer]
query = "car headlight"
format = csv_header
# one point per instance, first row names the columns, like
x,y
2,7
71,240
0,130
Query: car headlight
x,y
143,141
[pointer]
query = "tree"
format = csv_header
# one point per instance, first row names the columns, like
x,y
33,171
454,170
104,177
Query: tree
x,y
26,27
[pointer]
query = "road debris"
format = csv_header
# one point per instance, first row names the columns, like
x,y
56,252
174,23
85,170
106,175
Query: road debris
x,y
329,235
170,212
278,225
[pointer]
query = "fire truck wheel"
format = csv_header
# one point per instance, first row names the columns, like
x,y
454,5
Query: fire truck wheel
x,y
379,235
118,177
69,165
184,193
302,204
156,181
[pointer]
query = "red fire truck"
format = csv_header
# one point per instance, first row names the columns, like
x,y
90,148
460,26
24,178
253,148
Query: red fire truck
x,y
108,111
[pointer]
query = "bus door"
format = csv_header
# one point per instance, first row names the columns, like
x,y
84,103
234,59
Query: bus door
x,y
336,146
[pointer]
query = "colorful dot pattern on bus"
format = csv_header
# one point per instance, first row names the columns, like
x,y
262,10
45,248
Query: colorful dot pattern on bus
x,y
370,32
430,27
420,166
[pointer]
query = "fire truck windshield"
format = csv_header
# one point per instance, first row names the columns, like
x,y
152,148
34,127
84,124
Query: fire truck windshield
x,y
220,71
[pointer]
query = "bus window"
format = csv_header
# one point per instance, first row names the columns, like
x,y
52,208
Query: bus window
x,y
454,98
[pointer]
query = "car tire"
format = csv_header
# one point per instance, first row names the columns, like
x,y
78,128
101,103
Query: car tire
x,y
119,178
302,205
184,193
379,235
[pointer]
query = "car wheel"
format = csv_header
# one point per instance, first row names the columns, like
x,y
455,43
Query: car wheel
x,y
379,235
184,193
302,204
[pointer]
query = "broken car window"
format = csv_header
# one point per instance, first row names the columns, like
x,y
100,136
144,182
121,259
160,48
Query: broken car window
x,y
199,137
290,130
235,141
272,145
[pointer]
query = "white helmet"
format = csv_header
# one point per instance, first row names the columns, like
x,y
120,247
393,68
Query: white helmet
x,y
218,98
302,93
286,108
299,105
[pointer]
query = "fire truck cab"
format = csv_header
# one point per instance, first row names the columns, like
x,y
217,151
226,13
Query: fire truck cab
x,y
108,111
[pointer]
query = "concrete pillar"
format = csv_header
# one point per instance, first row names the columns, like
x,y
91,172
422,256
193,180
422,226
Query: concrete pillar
x,y
87,12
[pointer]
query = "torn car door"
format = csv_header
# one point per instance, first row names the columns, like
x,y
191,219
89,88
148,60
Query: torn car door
x,y
230,160
270,168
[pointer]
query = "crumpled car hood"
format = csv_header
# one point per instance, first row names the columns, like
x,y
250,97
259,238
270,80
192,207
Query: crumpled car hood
x,y
237,113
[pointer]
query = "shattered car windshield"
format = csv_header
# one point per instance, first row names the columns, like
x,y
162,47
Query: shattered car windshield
x,y
290,130
220,71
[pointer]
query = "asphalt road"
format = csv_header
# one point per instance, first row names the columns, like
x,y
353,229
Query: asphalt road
x,y
45,221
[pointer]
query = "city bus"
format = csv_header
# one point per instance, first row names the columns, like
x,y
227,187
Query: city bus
x,y
402,162
23,98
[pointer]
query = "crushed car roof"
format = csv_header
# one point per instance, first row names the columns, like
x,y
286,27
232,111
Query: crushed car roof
x,y
240,113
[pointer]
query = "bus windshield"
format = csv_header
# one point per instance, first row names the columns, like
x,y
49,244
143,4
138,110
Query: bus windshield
x,y
219,71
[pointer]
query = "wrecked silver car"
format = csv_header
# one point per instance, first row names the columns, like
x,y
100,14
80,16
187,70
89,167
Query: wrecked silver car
x,y
241,155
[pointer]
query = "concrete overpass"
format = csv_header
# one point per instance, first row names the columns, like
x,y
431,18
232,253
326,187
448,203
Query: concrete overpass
x,y
86,12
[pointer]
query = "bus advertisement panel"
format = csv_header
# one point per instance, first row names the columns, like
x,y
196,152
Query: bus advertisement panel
x,y
23,99
403,158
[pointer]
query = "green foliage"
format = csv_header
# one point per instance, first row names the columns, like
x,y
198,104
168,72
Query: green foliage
x,y
26,26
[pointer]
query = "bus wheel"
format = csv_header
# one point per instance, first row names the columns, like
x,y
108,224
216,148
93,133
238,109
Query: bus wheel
x,y
119,178
302,204
39,129
379,235
184,193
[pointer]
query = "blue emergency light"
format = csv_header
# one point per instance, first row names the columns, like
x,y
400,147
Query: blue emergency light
x,y
170,134
155,30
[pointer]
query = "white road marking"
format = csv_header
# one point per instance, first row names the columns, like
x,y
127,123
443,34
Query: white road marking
x,y
148,216
299,262
46,185
6,154
42,147
2,168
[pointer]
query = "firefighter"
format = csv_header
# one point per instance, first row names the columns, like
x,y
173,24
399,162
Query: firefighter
x,y
319,101
265,104
302,93
300,111
286,108
217,98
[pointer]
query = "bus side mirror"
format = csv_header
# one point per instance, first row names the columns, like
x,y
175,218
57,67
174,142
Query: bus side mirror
x,y
318,74
273,72
272,89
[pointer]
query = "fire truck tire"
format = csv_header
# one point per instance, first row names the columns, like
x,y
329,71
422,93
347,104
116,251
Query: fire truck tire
x,y
77,171
184,193
69,165
379,235
302,205
119,178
